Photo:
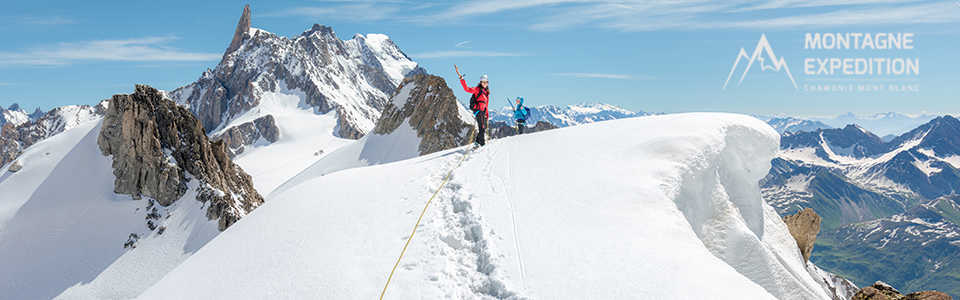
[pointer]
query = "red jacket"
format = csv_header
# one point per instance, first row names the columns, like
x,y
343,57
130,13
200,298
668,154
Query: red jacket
x,y
481,99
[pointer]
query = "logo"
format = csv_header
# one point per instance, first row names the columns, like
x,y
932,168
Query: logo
x,y
766,59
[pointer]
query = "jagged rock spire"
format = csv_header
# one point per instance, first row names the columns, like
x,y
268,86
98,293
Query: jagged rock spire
x,y
242,28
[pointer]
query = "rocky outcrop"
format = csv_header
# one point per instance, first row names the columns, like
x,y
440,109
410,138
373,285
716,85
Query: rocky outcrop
x,y
15,167
238,137
502,129
158,147
352,77
429,107
883,291
243,26
15,138
804,227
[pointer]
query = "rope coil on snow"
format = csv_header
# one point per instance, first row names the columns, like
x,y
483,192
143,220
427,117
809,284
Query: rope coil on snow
x,y
423,212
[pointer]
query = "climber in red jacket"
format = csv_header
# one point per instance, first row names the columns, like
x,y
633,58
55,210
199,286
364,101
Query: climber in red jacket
x,y
478,103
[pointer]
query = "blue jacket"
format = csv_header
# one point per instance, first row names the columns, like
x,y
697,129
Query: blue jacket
x,y
521,112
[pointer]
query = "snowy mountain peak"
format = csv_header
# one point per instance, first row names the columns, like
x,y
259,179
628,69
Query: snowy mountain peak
x,y
13,115
354,78
789,125
941,135
322,30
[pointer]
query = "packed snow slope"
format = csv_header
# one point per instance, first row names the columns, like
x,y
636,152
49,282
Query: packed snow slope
x,y
64,234
659,207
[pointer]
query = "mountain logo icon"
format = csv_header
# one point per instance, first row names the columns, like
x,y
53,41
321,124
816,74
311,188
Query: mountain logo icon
x,y
770,62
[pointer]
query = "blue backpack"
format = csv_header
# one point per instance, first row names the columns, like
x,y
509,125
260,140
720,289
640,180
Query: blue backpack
x,y
521,114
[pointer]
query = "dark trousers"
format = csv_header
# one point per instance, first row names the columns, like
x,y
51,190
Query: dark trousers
x,y
521,124
481,118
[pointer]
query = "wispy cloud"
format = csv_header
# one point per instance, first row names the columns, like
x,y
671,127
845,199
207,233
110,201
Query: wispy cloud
x,y
599,75
142,49
5,84
463,44
404,11
695,15
456,53
643,15
483,7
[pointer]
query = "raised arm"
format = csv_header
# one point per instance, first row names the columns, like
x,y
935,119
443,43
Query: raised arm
x,y
471,90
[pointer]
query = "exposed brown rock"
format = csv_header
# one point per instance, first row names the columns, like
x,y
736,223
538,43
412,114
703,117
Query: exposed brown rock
x,y
432,111
804,227
928,295
237,137
242,27
15,167
158,147
882,291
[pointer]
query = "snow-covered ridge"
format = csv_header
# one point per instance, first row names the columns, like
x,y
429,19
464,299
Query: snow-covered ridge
x,y
39,126
671,213
882,124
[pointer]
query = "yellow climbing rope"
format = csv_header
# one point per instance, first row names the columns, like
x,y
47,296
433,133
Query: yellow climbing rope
x,y
423,212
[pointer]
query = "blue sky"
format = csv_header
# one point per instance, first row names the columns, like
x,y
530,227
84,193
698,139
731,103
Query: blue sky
x,y
659,56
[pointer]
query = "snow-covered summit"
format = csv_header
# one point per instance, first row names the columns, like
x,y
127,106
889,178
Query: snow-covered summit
x,y
352,77
13,115
669,213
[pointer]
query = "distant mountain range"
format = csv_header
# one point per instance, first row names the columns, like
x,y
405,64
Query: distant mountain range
x,y
874,194
16,115
567,115
791,124
888,125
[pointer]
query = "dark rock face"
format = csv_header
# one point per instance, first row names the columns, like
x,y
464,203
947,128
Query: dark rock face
x,y
883,291
237,137
158,147
502,129
429,106
804,227
38,113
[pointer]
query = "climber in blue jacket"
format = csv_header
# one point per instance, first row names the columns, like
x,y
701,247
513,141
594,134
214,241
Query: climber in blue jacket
x,y
521,113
